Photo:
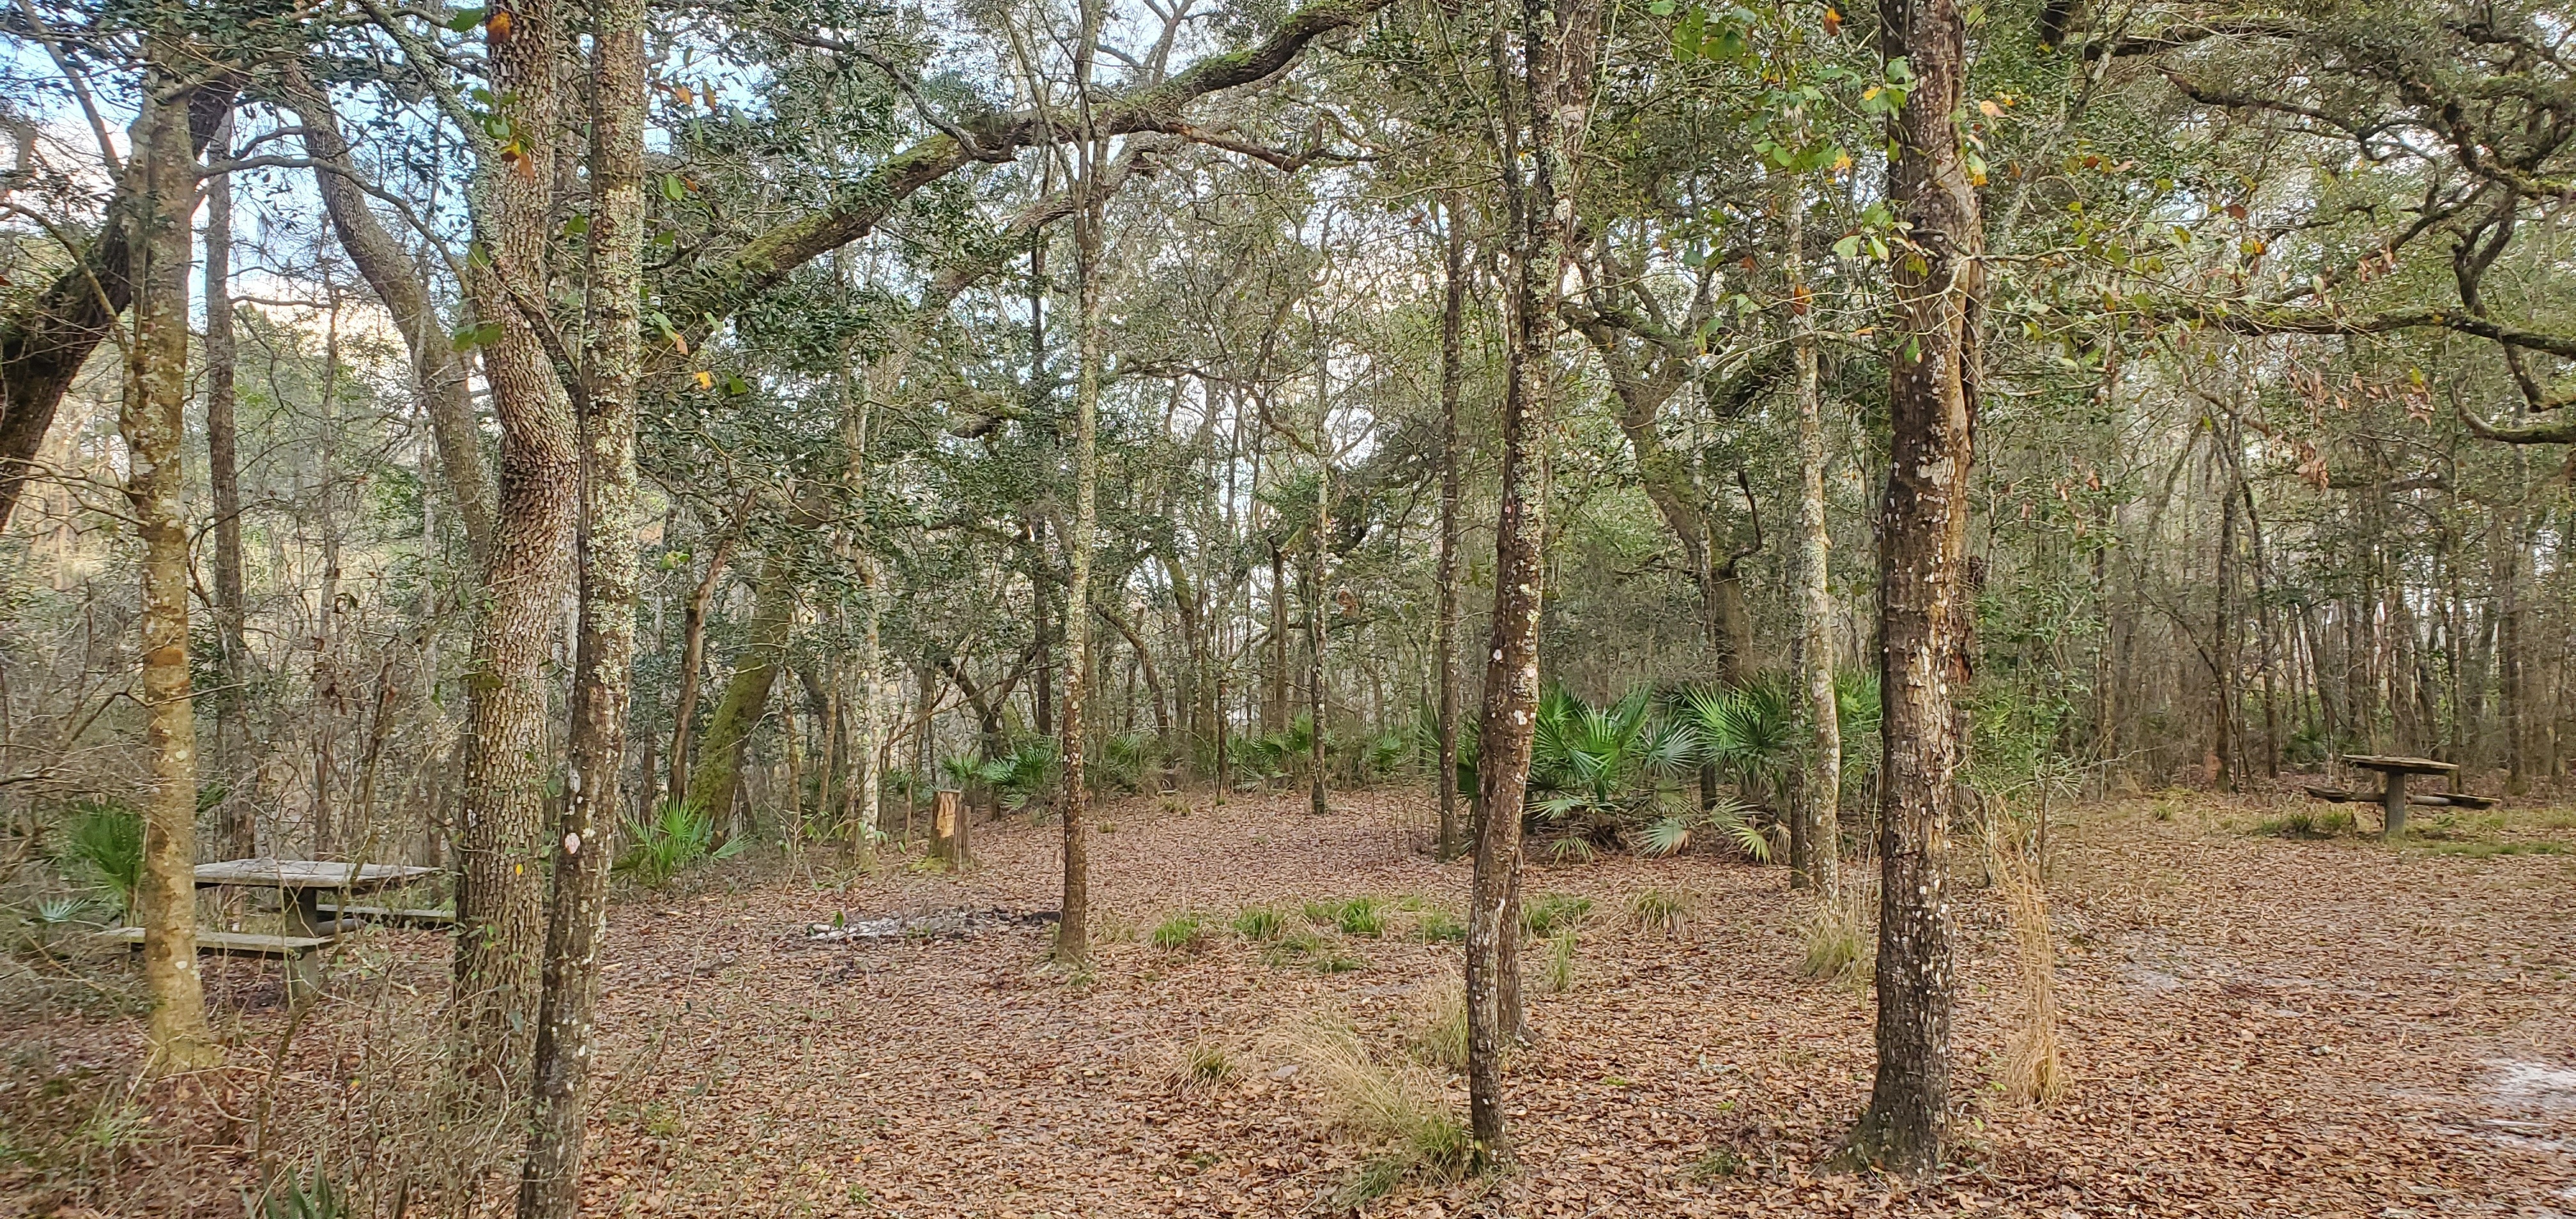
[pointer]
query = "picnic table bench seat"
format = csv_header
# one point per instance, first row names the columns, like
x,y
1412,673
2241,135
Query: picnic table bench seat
x,y
236,943
398,916
2341,795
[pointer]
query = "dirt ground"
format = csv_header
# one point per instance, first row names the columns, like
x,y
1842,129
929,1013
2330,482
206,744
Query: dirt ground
x,y
2255,1025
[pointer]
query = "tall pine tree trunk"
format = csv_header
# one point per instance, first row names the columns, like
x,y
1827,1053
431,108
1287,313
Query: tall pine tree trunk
x,y
1923,598
603,666
1557,41
156,389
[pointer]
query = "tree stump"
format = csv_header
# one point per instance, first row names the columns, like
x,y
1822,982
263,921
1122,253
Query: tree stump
x,y
948,827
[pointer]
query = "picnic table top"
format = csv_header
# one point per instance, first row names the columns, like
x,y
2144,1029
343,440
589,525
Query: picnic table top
x,y
2383,763
306,874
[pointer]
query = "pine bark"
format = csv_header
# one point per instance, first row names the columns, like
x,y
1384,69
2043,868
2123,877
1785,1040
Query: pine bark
x,y
603,686
163,187
1924,605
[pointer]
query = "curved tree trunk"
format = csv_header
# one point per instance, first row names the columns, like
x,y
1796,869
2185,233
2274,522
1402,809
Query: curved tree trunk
x,y
502,856
718,774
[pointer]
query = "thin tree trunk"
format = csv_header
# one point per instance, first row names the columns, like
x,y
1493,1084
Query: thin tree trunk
x,y
156,390
1315,595
1073,927
1924,606
1823,864
1444,629
500,930
235,836
603,689
716,777
693,650
1557,43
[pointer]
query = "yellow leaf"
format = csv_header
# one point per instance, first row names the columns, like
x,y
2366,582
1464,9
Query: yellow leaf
x,y
706,380
496,28
1990,110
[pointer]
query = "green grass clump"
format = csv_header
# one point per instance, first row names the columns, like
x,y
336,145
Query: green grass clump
x,y
1361,916
2489,850
1439,926
2306,823
1260,922
1544,914
1179,931
106,840
1560,961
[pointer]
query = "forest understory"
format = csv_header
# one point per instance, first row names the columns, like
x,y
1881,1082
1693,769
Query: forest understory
x,y
2255,1024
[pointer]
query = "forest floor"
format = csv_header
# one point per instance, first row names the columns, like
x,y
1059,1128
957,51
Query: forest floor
x,y
2255,1025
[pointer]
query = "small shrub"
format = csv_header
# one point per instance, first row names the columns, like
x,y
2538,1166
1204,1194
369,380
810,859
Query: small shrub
x,y
304,1197
1179,931
1543,914
1837,938
1560,961
678,838
1177,808
1669,909
1571,850
1260,922
1715,1165
106,840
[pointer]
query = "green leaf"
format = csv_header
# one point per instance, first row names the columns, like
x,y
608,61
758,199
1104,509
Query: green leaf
x,y
1848,247
467,18
673,189
576,226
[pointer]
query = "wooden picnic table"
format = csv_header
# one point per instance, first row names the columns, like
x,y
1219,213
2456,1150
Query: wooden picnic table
x,y
2393,771
302,883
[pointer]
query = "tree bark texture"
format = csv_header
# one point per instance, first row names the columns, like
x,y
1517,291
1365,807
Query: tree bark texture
x,y
603,686
235,836
1822,808
1924,603
162,186
717,772
1444,627
1557,41
502,856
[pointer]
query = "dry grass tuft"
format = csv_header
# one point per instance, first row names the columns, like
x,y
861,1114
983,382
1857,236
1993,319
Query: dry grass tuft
x,y
1670,909
1438,1032
1397,1109
2034,1070
1837,936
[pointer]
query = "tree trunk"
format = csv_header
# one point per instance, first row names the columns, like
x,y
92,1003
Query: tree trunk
x,y
500,928
438,369
235,835
693,651
45,341
1073,927
1444,627
1822,808
717,776
152,419
1924,604
1315,595
1557,40
603,687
